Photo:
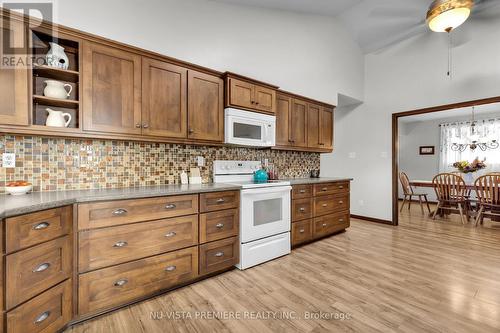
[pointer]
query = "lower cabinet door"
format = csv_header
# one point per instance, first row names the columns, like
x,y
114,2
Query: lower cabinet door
x,y
329,224
219,255
113,286
301,232
48,312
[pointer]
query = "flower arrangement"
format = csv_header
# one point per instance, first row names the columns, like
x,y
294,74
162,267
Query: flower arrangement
x,y
466,167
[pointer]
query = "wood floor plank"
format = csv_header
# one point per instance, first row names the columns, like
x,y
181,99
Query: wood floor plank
x,y
422,276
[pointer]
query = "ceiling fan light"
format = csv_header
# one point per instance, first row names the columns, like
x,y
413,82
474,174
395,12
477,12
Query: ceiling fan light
x,y
446,15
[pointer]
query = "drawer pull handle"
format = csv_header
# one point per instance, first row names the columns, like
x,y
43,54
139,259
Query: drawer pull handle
x,y
341,187
302,191
171,268
171,234
219,225
324,189
42,317
324,224
341,220
120,211
219,254
41,226
302,209
120,244
120,283
41,268
341,202
170,206
301,231
325,205
220,200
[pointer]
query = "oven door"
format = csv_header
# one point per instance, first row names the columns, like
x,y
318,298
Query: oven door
x,y
247,131
264,212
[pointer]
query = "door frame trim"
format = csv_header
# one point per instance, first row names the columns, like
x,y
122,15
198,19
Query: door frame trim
x,y
395,141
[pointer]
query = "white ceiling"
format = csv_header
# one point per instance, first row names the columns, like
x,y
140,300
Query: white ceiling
x,y
481,111
374,24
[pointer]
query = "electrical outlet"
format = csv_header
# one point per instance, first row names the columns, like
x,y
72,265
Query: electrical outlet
x,y
201,161
9,160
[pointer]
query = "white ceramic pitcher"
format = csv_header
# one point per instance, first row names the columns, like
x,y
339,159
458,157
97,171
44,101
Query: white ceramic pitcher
x,y
57,118
57,89
56,56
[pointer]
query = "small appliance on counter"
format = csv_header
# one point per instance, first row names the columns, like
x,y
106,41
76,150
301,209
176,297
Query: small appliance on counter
x,y
264,212
261,176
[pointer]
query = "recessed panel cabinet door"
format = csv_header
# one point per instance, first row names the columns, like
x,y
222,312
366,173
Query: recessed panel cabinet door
x,y
265,99
283,107
13,80
205,107
241,93
111,90
326,128
298,123
313,126
164,101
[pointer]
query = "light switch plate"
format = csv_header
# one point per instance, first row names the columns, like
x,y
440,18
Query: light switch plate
x,y
9,160
352,155
201,161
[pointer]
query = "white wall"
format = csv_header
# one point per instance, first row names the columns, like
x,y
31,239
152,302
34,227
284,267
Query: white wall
x,y
306,54
409,76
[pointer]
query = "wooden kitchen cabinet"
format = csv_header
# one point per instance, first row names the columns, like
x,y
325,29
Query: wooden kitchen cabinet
x,y
313,126
326,128
14,94
111,89
283,107
164,99
298,123
205,107
245,93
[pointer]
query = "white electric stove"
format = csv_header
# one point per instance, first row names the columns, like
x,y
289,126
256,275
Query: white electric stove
x,y
264,212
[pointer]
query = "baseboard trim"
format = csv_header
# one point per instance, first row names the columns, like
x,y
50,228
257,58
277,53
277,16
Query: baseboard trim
x,y
371,219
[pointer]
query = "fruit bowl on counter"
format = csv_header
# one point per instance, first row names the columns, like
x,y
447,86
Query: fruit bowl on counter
x,y
19,187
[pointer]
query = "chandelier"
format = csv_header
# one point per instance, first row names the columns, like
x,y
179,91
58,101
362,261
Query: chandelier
x,y
476,140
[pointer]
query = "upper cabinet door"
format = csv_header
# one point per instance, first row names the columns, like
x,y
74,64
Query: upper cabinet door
x,y
326,128
241,93
265,99
205,107
164,101
298,123
111,90
14,95
313,126
283,107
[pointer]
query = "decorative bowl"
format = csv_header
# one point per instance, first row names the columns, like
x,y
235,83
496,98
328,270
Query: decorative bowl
x,y
18,190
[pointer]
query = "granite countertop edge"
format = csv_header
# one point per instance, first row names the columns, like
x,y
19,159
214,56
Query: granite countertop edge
x,y
37,201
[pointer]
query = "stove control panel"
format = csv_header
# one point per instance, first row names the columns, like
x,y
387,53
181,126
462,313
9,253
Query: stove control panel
x,y
236,167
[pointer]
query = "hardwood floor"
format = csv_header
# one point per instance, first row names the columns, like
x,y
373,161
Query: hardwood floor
x,y
422,276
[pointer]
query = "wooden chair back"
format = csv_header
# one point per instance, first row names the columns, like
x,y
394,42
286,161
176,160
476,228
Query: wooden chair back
x,y
449,187
488,189
405,183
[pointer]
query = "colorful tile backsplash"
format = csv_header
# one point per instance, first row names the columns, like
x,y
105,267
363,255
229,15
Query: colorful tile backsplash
x,y
73,164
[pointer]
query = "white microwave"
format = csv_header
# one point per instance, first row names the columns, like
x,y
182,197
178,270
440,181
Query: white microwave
x,y
245,128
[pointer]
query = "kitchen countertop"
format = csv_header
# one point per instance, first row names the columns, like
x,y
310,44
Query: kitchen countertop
x,y
36,201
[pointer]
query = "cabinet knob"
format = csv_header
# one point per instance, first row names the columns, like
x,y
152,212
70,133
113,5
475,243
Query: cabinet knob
x,y
219,254
170,206
120,211
120,244
41,268
171,268
302,191
42,317
341,202
219,225
301,231
253,102
220,200
302,209
324,205
41,226
341,220
341,186
191,131
145,125
120,283
324,189
170,234
256,103
321,144
324,224
138,125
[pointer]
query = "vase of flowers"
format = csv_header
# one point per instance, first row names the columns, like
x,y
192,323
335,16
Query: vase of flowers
x,y
469,168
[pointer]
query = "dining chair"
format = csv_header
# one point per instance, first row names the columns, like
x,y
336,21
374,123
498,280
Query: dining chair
x,y
451,192
488,193
409,193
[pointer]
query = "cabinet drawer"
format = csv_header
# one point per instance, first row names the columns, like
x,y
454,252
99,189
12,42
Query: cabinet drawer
x,y
301,209
48,312
219,255
330,204
110,246
328,224
120,284
31,229
31,271
219,225
331,188
112,213
219,200
301,191
301,232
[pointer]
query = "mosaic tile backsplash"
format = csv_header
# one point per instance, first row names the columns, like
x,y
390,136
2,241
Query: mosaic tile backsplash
x,y
72,164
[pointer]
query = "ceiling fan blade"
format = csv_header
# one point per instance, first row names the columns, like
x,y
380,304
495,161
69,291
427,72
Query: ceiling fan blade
x,y
481,6
380,45
395,13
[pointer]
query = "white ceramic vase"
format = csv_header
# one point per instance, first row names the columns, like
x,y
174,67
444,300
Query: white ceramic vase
x,y
57,89
57,118
56,56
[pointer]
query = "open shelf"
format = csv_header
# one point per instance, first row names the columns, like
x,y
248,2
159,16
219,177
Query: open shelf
x,y
56,73
57,102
